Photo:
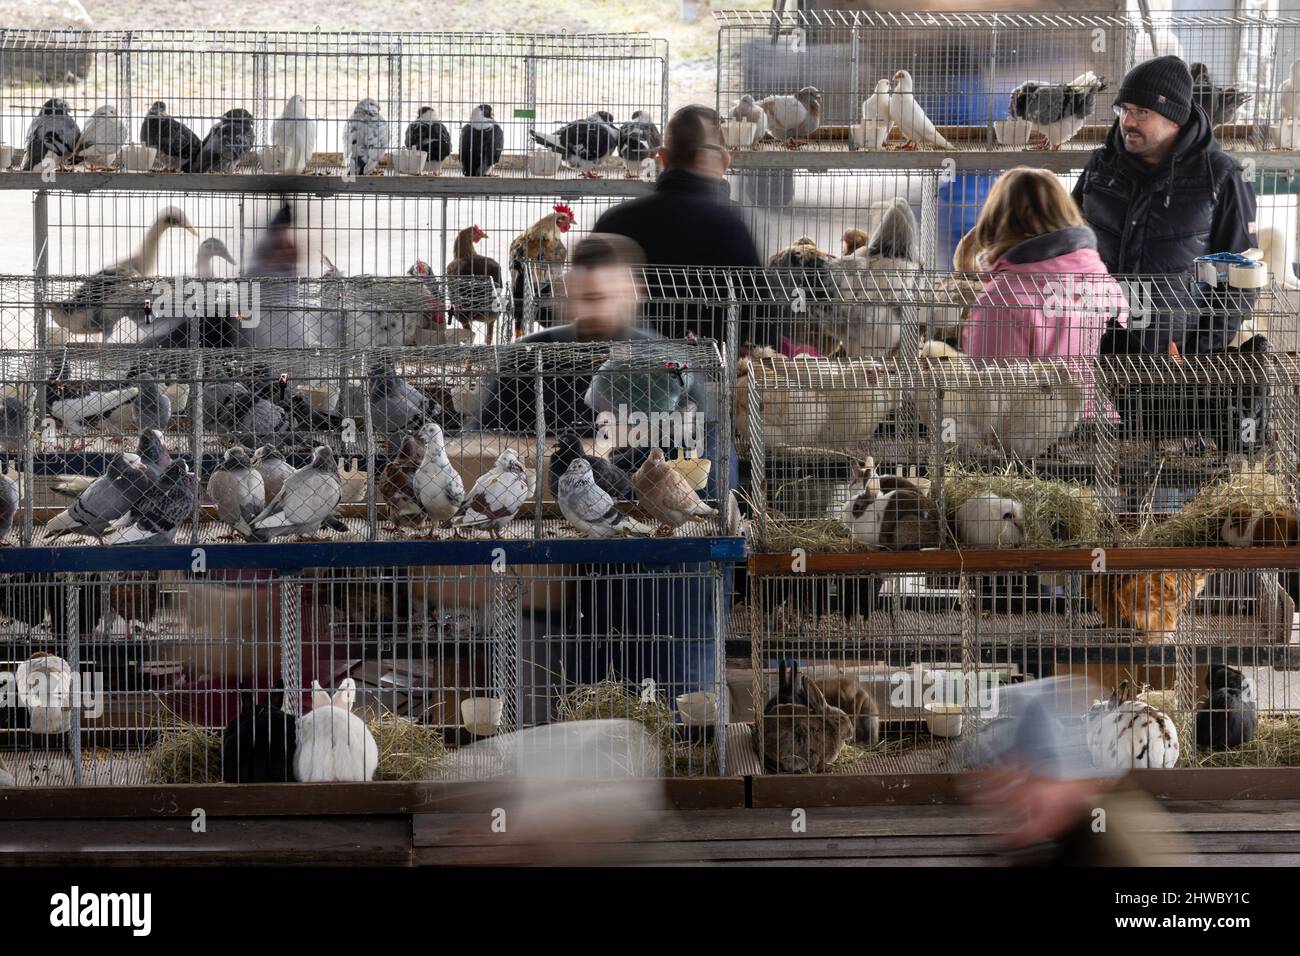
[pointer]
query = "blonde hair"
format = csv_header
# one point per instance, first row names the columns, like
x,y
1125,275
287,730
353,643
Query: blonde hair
x,y
1023,203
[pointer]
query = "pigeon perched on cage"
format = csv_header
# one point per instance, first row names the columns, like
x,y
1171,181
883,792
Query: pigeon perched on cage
x,y
637,142
1220,103
793,116
582,144
396,484
397,407
268,461
109,496
497,496
748,111
237,488
176,143
613,480
1057,110
8,506
666,494
911,120
102,138
481,142
229,140
159,513
305,502
589,508
437,484
154,458
430,134
625,383
875,108
52,133
294,132
366,139
252,418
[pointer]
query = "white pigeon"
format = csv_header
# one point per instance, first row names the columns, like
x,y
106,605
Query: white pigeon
x,y
497,496
1289,99
589,508
367,138
875,108
295,132
908,116
102,139
44,686
796,115
437,484
748,111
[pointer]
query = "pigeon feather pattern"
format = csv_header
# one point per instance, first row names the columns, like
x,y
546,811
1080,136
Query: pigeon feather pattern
x,y
430,135
237,488
438,487
176,143
481,142
1057,110
52,133
102,139
637,141
294,132
909,117
589,508
108,498
582,144
268,461
158,515
666,494
614,481
230,138
8,505
306,501
793,115
367,138
497,496
748,111
397,484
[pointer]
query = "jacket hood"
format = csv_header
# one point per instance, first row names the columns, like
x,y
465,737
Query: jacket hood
x,y
1195,144
1069,242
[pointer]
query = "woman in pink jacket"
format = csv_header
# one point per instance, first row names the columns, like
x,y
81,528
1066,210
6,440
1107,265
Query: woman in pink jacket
x,y
1047,294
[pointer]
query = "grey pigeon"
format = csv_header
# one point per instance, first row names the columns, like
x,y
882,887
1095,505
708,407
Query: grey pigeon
x,y
252,420
270,464
153,409
176,143
1057,110
430,135
367,138
584,143
13,418
225,145
53,132
306,501
395,406
158,515
237,488
437,484
481,142
1219,102
216,412
497,496
615,482
108,498
153,452
8,505
589,508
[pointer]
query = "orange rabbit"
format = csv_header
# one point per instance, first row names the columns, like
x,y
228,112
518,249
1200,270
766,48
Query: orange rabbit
x,y
1149,602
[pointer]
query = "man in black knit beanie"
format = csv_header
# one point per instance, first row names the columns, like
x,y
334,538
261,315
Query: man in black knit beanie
x,y
1162,192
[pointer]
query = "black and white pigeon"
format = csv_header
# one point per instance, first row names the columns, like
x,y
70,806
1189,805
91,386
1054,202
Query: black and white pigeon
x,y
591,509
637,141
108,498
230,138
52,133
366,139
1057,110
582,144
158,515
613,480
1219,102
176,143
305,502
481,142
428,133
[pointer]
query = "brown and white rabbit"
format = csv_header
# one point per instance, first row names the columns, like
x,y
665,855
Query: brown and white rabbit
x,y
804,738
894,514
1148,602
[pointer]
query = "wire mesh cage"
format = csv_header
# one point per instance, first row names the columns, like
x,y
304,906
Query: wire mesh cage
x,y
910,669
126,446
410,103
952,81
128,677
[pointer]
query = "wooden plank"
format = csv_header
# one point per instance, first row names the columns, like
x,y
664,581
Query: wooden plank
x,y
1028,561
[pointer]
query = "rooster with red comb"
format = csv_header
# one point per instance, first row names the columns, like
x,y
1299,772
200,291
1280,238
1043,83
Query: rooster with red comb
x,y
538,251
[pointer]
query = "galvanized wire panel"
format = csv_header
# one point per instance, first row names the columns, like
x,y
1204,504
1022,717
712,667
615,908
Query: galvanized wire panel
x,y
145,675
353,426
999,80
890,647
532,81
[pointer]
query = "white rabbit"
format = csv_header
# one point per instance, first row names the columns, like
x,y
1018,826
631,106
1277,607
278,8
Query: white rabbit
x,y
990,521
44,686
1124,734
1024,409
809,401
333,743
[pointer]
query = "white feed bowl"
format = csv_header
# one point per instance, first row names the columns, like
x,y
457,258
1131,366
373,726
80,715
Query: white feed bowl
x,y
481,716
542,162
698,709
1012,132
943,720
408,162
869,135
737,133
137,159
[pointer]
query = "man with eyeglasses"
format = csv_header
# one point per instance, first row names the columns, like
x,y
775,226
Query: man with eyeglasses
x,y
1161,192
